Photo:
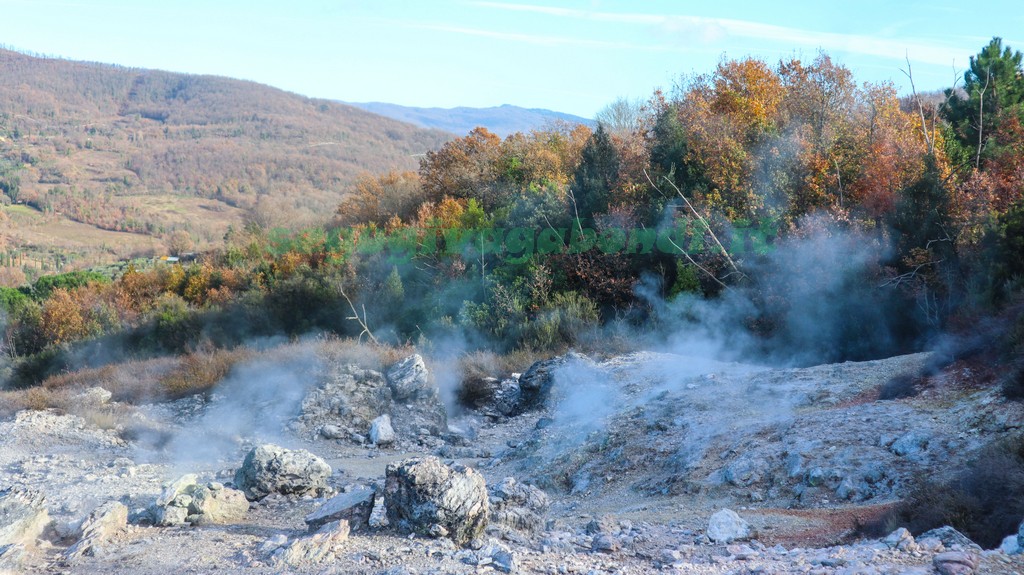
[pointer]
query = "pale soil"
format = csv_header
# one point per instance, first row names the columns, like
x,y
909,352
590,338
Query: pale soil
x,y
78,466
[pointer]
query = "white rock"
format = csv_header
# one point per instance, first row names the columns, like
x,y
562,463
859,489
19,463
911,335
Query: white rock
x,y
381,432
726,526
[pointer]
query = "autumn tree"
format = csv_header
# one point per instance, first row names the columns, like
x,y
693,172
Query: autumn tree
x,y
378,198
464,168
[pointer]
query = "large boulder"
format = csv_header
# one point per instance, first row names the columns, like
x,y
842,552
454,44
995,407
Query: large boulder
x,y
409,380
416,400
23,517
491,396
517,505
726,526
185,500
272,469
426,496
99,527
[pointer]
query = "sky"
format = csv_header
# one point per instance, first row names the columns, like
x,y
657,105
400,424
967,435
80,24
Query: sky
x,y
573,57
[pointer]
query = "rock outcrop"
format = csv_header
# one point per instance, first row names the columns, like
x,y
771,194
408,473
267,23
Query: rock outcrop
x,y
272,469
23,517
349,399
98,528
426,496
536,383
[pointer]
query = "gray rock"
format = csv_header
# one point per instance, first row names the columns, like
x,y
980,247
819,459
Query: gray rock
x,y
911,444
184,500
354,506
93,397
422,493
1010,546
517,505
949,537
955,563
23,517
324,546
1020,535
103,523
744,472
331,431
900,539
605,543
726,526
379,513
381,432
409,380
536,383
215,504
271,469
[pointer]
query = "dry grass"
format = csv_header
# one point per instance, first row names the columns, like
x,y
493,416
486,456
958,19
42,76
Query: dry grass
x,y
199,372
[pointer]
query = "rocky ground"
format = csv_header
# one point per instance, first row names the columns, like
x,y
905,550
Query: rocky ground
x,y
637,464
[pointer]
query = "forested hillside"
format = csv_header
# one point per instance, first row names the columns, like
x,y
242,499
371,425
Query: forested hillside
x,y
154,152
778,212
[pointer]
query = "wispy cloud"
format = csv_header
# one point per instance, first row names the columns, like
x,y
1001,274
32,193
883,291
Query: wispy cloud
x,y
713,30
536,39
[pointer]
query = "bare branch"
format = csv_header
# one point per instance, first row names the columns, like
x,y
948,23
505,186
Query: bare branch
x,y
703,222
355,317
896,281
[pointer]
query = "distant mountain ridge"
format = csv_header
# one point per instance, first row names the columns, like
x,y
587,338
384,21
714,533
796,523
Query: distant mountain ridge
x,y
502,120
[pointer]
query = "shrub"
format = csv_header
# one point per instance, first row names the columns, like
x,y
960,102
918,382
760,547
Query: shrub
x,y
199,372
175,327
985,501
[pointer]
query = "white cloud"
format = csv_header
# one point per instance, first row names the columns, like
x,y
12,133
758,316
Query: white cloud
x,y
715,30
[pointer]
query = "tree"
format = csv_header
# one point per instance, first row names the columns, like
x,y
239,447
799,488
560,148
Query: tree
x,y
596,175
621,117
466,167
378,198
994,86
179,242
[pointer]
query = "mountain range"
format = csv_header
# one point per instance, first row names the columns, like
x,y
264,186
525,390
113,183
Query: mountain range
x,y
502,120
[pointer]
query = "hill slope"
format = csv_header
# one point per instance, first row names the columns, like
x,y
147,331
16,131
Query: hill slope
x,y
502,120
149,152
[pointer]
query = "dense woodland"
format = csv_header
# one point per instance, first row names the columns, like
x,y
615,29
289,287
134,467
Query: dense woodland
x,y
893,219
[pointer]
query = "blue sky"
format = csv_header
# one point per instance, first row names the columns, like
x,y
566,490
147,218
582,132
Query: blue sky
x,y
568,56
